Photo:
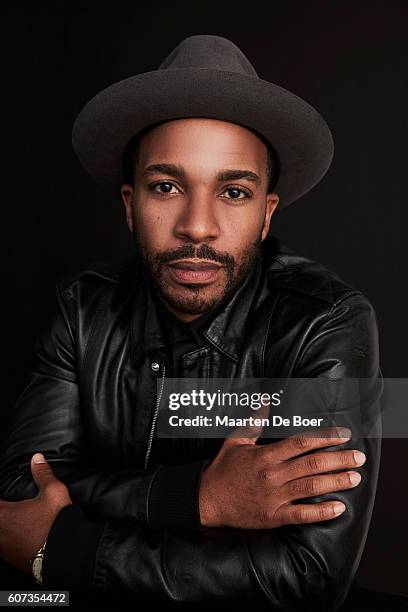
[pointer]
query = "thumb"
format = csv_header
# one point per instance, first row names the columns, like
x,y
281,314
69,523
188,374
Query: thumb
x,y
41,471
249,434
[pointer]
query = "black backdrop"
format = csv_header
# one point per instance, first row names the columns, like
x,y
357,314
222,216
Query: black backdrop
x,y
347,58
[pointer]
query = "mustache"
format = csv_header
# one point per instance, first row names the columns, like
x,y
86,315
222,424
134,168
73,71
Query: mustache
x,y
188,251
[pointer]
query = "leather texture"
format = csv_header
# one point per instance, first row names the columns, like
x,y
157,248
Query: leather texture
x,y
89,405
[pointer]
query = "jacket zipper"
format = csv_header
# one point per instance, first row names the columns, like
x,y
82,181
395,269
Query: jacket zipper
x,y
155,415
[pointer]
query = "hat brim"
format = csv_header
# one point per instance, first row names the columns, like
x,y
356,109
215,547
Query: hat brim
x,y
298,133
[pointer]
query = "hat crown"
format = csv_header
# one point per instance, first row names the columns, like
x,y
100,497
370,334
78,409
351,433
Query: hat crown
x,y
208,76
208,51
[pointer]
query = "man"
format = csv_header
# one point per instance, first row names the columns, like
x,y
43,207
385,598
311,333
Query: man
x,y
209,153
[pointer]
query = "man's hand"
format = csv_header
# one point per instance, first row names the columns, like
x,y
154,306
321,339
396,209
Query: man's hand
x,y
24,525
252,486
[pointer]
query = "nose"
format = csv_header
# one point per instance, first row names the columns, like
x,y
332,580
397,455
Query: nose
x,y
198,222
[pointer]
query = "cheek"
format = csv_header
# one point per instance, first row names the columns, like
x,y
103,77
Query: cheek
x,y
248,215
154,227
241,227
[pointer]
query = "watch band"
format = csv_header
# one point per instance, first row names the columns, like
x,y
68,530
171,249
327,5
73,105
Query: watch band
x,y
36,564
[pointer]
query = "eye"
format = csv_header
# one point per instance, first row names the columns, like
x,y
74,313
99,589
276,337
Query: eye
x,y
167,184
165,187
235,191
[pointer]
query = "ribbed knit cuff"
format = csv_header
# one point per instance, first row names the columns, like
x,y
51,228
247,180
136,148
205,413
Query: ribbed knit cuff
x,y
173,501
70,552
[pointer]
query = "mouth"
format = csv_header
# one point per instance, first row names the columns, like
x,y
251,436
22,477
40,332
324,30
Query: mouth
x,y
194,271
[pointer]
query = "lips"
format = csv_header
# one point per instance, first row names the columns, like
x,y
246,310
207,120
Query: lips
x,y
191,265
198,272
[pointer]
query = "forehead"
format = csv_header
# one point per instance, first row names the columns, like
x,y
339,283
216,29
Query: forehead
x,y
202,142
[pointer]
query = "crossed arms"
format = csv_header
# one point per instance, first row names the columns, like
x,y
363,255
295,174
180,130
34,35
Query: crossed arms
x,y
290,566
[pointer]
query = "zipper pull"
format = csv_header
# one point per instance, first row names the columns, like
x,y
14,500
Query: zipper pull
x,y
156,368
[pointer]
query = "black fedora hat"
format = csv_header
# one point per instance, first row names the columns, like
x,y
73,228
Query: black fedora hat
x,y
205,76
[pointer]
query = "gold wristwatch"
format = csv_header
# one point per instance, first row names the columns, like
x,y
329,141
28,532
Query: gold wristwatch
x,y
36,563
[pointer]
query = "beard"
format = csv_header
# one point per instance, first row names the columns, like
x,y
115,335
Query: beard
x,y
194,298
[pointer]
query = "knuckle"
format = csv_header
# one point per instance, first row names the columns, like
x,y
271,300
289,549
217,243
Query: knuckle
x,y
300,442
346,458
47,487
343,480
293,468
323,512
315,463
300,514
264,474
265,516
271,476
296,487
55,488
312,485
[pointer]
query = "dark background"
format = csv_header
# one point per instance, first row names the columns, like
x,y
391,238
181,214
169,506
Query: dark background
x,y
346,58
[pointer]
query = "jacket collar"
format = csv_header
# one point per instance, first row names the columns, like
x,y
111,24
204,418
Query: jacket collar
x,y
225,331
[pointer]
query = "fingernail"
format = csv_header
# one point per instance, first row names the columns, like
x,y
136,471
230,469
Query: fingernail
x,y
39,458
359,457
344,432
338,507
355,478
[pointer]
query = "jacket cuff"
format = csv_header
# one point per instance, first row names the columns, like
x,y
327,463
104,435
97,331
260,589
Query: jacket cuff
x,y
173,501
70,552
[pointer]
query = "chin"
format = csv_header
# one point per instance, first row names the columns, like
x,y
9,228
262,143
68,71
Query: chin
x,y
193,299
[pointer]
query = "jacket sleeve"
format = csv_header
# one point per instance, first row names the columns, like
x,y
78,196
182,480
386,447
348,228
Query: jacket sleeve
x,y
294,567
316,563
47,418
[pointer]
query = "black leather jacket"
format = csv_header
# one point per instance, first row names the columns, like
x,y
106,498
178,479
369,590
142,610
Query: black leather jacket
x,y
90,403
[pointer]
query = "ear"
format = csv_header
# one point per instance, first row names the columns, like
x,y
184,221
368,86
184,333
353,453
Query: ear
x,y
272,200
126,192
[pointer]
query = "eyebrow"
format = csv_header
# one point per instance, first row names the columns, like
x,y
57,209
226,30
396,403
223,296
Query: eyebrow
x,y
222,176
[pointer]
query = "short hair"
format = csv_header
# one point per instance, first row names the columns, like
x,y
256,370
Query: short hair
x,y
131,154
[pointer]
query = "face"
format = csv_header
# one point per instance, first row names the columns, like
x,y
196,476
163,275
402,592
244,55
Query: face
x,y
198,210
